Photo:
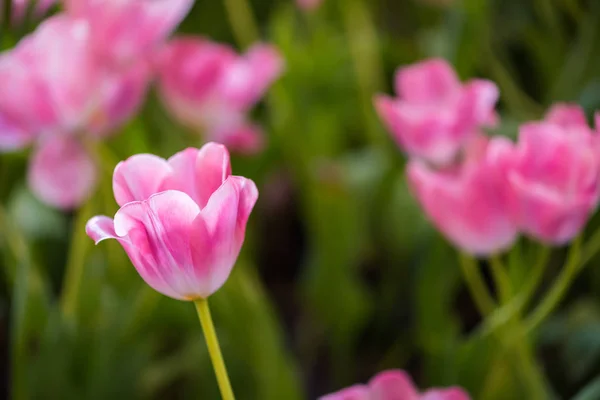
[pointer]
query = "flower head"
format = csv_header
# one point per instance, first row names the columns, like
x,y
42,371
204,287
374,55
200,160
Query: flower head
x,y
209,87
470,203
55,91
555,175
394,385
182,221
434,114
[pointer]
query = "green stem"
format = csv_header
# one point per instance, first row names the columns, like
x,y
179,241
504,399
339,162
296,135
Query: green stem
x,y
501,279
558,290
75,263
512,309
363,44
214,349
483,301
242,21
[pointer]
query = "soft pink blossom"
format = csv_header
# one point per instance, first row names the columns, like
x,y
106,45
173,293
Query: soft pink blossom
x,y
54,92
395,385
125,30
182,221
555,175
470,203
211,88
435,114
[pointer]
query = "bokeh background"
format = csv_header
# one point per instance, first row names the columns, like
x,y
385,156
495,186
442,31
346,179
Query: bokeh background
x,y
340,276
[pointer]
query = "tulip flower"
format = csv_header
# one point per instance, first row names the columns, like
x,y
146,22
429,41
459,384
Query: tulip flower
x,y
126,30
555,175
395,385
210,88
182,222
55,91
470,203
435,115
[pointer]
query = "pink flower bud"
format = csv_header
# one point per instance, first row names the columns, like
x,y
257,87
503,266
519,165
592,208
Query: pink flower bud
x,y
470,203
182,221
434,114
210,88
555,175
395,385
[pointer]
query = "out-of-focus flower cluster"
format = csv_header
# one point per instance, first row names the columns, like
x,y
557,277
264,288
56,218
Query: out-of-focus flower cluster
x,y
481,191
84,72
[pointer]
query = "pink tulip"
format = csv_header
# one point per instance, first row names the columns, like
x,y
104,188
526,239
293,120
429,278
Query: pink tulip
x,y
125,30
309,5
555,175
182,221
470,203
395,385
210,88
55,91
434,114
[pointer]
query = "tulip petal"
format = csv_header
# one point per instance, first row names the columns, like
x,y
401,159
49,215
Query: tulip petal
x,y
13,136
356,392
100,228
160,229
247,79
61,172
427,81
392,385
567,116
139,177
445,394
199,172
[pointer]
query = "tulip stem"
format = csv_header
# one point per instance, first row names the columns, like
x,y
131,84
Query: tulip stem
x,y
483,301
242,21
501,279
213,348
559,288
75,263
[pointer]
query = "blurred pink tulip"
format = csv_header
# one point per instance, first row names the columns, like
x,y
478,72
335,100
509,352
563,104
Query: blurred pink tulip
x,y
555,175
309,5
125,30
182,221
395,385
55,91
434,114
470,203
210,88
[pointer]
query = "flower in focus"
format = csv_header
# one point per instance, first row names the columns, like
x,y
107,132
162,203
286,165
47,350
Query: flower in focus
x,y
434,114
470,203
126,30
555,175
210,88
395,385
54,91
182,221
309,5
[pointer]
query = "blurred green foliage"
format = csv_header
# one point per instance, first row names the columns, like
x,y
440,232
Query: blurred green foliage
x,y
340,276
